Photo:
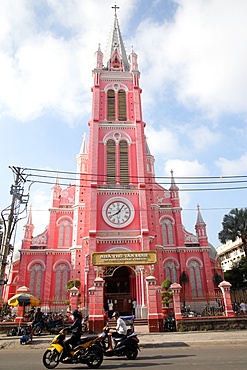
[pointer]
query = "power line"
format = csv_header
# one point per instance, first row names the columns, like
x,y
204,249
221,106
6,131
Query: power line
x,y
160,183
132,187
88,178
157,177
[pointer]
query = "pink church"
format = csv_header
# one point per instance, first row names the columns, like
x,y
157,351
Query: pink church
x,y
116,222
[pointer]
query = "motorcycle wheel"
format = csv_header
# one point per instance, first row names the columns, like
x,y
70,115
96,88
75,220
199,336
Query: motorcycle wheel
x,y
51,358
37,330
84,328
131,354
96,358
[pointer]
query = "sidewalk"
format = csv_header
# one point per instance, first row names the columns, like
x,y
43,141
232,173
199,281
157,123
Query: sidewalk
x,y
148,340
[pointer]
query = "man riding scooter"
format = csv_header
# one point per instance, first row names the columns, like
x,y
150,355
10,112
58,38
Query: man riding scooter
x,y
118,332
76,329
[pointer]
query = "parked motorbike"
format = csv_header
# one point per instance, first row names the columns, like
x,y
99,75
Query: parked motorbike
x,y
26,335
87,351
51,326
170,323
84,324
125,346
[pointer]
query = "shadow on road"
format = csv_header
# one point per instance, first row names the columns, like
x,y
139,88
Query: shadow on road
x,y
161,345
140,362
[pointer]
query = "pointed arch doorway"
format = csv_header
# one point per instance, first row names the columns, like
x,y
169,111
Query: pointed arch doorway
x,y
119,288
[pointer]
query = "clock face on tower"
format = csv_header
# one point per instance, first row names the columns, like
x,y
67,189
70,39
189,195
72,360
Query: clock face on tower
x,y
118,212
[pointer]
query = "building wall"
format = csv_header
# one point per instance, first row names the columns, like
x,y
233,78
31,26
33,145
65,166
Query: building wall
x,y
230,253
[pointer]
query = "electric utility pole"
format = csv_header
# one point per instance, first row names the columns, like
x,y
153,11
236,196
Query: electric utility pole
x,y
10,216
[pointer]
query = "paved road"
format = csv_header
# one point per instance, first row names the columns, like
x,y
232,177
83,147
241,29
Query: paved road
x,y
220,357
149,340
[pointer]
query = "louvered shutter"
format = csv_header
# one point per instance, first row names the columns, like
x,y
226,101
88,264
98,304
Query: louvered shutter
x,y
122,105
124,162
111,162
110,105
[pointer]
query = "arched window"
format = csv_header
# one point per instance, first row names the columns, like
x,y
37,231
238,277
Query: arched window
x,y
195,279
167,232
124,162
111,162
64,234
171,272
36,279
122,105
110,105
62,277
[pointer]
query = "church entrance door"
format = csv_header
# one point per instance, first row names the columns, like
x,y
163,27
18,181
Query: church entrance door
x,y
117,291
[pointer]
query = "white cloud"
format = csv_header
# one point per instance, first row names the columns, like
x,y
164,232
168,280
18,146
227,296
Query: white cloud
x,y
184,140
162,141
202,137
185,168
203,52
232,167
42,70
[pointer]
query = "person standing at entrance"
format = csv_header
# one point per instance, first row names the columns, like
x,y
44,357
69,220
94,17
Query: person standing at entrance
x,y
134,306
110,309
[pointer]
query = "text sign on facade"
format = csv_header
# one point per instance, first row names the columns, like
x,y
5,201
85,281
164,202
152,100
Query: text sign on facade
x,y
124,258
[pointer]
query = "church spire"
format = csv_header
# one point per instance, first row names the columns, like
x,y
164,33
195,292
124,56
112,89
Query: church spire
x,y
199,216
30,216
84,147
173,183
201,228
28,230
174,192
115,48
56,190
82,157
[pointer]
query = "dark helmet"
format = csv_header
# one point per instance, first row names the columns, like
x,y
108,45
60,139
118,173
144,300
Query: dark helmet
x,y
75,313
115,314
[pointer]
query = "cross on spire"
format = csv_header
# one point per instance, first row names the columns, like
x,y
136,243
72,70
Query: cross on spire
x,y
115,7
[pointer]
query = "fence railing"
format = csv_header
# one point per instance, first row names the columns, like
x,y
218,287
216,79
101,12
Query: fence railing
x,y
211,304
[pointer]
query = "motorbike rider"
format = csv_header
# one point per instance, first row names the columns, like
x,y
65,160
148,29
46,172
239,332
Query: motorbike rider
x,y
76,329
39,316
119,331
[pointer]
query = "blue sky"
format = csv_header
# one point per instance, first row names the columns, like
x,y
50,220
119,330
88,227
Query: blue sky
x,y
192,56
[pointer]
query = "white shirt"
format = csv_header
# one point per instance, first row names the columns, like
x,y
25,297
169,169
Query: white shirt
x,y
121,327
110,306
242,306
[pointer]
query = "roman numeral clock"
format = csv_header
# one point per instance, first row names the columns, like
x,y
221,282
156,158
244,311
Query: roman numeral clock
x,y
118,212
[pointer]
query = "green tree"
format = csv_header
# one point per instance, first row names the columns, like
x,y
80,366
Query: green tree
x,y
73,282
184,279
217,279
234,226
166,293
237,276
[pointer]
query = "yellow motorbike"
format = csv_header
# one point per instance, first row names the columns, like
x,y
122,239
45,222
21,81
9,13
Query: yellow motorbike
x,y
87,351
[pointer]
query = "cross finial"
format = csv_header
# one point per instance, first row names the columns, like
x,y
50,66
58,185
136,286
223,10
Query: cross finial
x,y
115,7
